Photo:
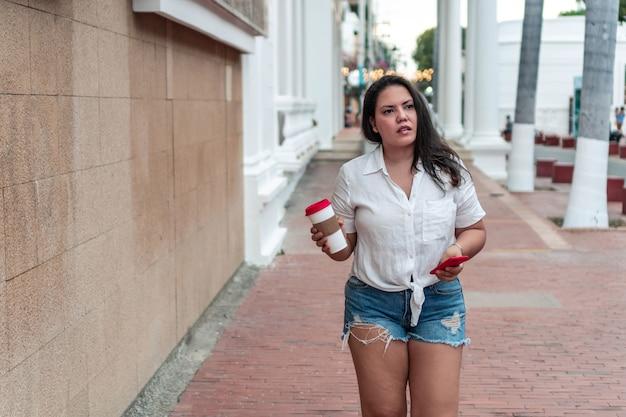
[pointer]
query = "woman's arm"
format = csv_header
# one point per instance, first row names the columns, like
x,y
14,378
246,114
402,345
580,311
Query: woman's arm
x,y
469,241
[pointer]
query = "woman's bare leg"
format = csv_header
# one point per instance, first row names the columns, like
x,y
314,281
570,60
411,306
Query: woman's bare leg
x,y
381,373
434,376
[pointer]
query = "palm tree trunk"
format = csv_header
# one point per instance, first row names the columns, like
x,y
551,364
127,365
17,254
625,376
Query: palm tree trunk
x,y
521,173
587,201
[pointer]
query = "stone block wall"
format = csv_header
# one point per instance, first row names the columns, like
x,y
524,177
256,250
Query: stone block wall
x,y
121,198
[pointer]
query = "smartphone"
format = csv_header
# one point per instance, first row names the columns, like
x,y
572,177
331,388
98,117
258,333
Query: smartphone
x,y
454,261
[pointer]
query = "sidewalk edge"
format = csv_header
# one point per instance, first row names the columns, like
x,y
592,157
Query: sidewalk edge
x,y
160,395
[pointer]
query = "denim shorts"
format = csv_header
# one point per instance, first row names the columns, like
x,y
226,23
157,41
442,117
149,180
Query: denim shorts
x,y
442,319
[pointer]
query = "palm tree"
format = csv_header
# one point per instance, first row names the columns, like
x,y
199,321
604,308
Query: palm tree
x,y
521,175
587,201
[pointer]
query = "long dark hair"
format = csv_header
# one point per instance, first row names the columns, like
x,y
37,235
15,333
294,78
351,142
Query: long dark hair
x,y
429,147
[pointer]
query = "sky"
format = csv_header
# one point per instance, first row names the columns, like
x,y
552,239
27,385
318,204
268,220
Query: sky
x,y
404,20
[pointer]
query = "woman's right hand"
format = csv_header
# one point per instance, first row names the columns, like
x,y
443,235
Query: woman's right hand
x,y
320,239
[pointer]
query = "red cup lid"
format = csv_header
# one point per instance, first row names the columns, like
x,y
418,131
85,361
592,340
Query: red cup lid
x,y
315,207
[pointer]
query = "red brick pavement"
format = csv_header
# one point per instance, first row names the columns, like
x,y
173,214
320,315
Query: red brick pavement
x,y
281,354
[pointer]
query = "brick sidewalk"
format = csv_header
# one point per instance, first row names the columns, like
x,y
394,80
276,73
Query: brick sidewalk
x,y
545,313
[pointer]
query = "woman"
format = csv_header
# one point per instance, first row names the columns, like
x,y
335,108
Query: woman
x,y
404,207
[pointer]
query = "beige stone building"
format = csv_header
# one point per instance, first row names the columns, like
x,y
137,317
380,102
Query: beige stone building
x,y
121,196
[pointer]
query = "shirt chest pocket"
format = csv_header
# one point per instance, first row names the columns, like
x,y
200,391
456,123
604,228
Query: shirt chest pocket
x,y
438,219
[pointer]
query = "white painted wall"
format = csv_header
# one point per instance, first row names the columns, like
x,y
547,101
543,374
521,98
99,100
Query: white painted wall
x,y
323,65
560,60
294,72
264,179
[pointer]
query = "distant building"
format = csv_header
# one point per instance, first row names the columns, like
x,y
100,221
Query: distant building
x,y
560,64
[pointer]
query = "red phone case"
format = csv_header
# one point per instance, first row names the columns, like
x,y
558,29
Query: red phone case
x,y
454,261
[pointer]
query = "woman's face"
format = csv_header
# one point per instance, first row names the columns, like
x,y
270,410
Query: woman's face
x,y
395,117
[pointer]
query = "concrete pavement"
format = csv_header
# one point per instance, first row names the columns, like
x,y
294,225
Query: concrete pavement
x,y
546,314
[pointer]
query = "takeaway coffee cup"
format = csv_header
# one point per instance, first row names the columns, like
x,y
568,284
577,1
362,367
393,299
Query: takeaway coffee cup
x,y
324,220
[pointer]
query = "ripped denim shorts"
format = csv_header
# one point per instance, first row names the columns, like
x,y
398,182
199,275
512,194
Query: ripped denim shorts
x,y
442,319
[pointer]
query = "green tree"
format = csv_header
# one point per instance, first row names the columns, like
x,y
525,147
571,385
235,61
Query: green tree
x,y
424,49
587,199
573,13
580,11
521,160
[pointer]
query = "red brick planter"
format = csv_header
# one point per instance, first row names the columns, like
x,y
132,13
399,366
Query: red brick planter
x,y
614,188
613,148
539,139
545,167
622,152
553,140
563,173
568,142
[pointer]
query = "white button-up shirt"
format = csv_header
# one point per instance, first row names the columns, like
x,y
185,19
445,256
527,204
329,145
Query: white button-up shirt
x,y
399,237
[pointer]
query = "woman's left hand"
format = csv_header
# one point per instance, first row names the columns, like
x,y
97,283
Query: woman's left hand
x,y
450,272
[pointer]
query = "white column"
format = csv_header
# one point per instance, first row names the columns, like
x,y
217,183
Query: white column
x,y
319,55
618,85
370,33
362,29
488,148
270,73
284,41
470,70
263,179
441,61
297,56
297,138
287,69
452,72
338,120
252,125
